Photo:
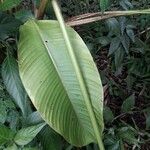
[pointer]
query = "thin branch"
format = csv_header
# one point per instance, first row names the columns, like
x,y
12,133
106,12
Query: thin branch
x,y
92,17
148,29
89,20
79,74
40,13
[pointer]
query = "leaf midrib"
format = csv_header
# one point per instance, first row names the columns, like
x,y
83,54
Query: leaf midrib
x,y
79,74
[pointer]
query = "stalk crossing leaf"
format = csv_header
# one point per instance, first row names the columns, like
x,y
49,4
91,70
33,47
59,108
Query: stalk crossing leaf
x,y
51,81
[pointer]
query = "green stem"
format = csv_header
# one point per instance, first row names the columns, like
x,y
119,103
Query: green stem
x,y
79,74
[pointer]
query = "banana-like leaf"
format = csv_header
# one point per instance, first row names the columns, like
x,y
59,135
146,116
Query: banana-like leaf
x,y
48,74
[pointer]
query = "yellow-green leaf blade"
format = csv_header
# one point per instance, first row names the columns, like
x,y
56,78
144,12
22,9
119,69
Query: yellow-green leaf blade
x,y
50,79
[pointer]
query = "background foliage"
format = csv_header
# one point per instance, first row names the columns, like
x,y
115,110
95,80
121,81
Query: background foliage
x,y
120,47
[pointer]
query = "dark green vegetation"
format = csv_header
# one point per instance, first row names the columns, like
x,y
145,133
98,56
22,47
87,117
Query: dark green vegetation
x,y
120,47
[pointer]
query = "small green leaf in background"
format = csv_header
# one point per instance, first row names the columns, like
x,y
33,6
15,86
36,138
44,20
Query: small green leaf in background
x,y
8,4
34,118
95,146
6,135
104,4
113,26
70,147
147,115
12,147
26,135
111,142
50,139
130,32
23,15
148,122
123,23
13,83
125,43
128,134
89,147
114,146
8,25
128,104
13,119
126,4
104,40
30,148
108,115
114,45
3,112
119,58
9,103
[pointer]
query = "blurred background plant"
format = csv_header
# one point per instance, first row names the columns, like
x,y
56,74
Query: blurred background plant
x,y
120,47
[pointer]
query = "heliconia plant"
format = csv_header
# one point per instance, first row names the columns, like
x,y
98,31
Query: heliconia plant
x,y
62,80
59,76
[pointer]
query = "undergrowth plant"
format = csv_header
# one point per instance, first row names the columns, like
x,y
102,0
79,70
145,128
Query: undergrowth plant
x,y
51,93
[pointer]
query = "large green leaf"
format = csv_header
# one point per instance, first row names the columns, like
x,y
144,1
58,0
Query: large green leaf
x,y
13,83
48,74
26,135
